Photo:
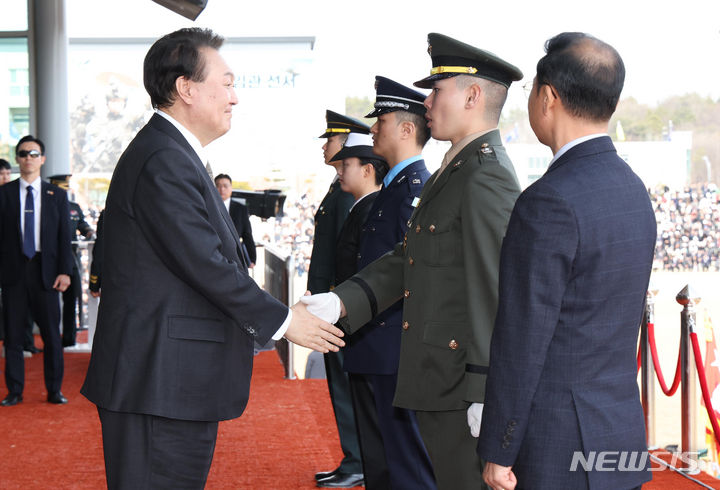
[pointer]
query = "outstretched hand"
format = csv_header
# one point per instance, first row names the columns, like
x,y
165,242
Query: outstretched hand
x,y
310,331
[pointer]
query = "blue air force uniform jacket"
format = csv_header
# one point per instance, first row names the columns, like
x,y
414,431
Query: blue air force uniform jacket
x,y
376,347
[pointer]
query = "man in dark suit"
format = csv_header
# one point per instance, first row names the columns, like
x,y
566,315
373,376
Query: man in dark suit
x,y
446,268
172,354
574,271
72,296
329,220
394,455
239,215
35,263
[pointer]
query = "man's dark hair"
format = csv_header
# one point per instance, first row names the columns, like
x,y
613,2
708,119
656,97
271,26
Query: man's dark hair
x,y
422,132
4,164
32,139
381,168
587,74
176,55
222,176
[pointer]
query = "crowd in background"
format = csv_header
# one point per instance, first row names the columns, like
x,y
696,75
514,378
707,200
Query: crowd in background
x,y
688,228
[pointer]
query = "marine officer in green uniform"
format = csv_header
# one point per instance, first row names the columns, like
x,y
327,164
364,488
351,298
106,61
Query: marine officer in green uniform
x,y
329,220
446,267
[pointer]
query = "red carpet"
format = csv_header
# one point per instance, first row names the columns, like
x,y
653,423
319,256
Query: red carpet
x,y
286,434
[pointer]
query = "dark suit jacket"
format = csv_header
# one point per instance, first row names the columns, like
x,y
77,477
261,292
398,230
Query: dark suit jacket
x,y
179,312
376,347
56,253
446,269
575,267
329,219
241,220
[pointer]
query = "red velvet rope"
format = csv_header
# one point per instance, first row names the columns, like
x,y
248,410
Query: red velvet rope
x,y
658,370
703,386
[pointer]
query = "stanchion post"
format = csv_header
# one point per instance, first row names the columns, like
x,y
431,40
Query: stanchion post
x,y
647,369
688,376
289,269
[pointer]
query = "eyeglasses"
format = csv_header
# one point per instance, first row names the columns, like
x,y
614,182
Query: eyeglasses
x,y
31,153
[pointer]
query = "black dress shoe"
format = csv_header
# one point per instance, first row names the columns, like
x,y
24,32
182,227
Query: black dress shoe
x,y
32,349
11,399
326,474
57,398
342,480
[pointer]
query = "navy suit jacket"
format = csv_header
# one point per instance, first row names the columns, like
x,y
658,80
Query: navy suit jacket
x,y
574,270
179,312
375,348
56,253
241,219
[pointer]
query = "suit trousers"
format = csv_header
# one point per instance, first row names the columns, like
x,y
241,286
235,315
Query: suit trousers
x,y
393,453
452,450
26,295
149,452
339,388
71,306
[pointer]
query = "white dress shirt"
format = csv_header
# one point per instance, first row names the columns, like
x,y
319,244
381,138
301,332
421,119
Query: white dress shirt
x,y
37,205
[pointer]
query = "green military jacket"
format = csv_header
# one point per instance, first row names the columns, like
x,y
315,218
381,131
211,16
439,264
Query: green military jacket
x,y
329,219
447,271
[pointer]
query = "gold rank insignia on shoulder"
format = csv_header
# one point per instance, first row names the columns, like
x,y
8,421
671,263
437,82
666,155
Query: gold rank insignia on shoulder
x,y
417,181
458,163
485,148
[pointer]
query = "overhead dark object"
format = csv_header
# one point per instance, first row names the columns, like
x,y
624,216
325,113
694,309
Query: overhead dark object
x,y
187,8
265,204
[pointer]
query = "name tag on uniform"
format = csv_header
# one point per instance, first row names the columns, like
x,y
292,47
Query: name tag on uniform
x,y
415,202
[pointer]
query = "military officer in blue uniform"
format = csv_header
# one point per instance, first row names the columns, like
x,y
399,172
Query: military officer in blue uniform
x,y
72,304
329,220
393,452
446,267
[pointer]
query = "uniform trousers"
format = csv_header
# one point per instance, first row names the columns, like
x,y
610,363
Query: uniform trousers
x,y
144,452
28,294
393,453
339,388
452,450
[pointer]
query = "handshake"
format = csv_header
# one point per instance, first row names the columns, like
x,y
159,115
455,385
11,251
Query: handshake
x,y
312,322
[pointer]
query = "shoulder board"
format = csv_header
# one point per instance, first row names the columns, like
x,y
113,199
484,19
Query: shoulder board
x,y
486,153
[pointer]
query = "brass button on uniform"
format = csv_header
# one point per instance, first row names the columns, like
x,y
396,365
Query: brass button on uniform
x,y
432,228
417,229
406,293
405,325
411,261
453,344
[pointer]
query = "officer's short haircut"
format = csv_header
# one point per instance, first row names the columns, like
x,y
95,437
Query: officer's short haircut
x,y
176,55
495,94
422,132
587,74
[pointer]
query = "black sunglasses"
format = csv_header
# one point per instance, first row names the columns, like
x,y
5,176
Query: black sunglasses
x,y
31,153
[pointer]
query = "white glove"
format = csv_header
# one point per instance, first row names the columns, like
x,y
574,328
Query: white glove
x,y
326,306
474,415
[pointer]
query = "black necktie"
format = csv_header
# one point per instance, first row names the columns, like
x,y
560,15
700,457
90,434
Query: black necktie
x,y
29,231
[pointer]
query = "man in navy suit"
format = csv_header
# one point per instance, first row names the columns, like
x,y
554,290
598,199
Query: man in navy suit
x,y
35,263
574,270
173,350
239,215
393,451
